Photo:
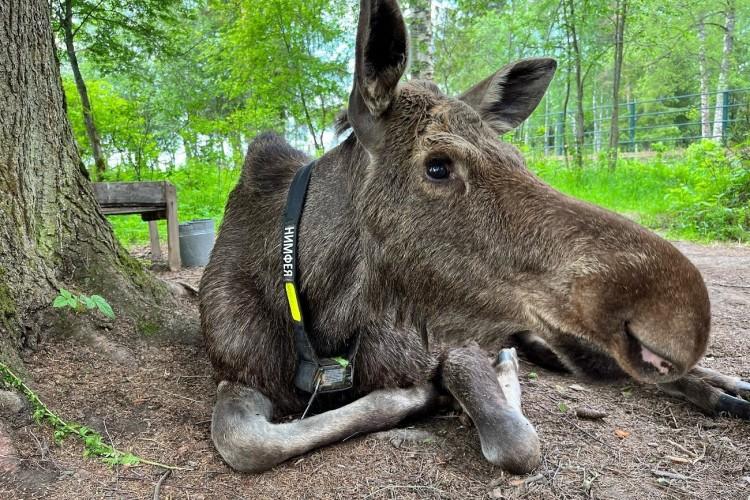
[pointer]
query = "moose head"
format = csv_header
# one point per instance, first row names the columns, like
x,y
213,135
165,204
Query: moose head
x,y
465,231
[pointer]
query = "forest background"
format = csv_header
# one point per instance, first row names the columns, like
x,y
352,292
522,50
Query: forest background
x,y
648,115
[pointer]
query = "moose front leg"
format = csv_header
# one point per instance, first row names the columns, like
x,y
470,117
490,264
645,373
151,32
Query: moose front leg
x,y
249,442
492,398
713,392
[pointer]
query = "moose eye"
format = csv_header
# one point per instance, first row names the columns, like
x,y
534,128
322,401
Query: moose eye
x,y
438,169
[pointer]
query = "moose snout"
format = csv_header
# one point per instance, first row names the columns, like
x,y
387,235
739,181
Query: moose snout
x,y
650,309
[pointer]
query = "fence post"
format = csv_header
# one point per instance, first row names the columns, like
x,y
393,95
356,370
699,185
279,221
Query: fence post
x,y
632,124
559,139
725,117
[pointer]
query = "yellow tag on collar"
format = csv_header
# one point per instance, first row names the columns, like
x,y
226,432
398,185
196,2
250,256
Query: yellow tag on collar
x,y
291,297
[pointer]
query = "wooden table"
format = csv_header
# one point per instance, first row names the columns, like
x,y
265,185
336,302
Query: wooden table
x,y
153,201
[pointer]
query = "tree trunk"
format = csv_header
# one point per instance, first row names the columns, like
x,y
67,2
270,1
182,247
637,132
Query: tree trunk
x,y
88,116
238,152
724,71
422,66
621,9
703,68
597,115
52,233
575,50
563,132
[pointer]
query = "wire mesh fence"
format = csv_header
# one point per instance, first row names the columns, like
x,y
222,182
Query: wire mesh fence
x,y
643,125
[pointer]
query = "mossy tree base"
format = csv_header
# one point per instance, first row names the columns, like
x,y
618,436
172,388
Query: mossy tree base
x,y
52,233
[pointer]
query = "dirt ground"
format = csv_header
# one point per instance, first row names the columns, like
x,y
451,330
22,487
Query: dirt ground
x,y
154,398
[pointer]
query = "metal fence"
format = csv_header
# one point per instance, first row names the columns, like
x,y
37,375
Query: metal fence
x,y
645,125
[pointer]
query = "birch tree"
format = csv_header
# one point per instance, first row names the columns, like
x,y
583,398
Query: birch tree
x,y
621,9
703,76
420,24
724,70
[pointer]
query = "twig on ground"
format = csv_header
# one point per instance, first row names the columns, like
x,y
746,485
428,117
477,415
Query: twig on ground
x,y
157,488
179,396
700,457
676,425
727,285
532,479
407,487
106,431
682,448
190,376
588,482
670,475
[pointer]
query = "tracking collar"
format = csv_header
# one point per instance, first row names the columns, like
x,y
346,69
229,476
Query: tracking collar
x,y
314,374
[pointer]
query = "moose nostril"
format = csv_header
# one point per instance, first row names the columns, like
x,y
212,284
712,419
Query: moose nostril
x,y
645,354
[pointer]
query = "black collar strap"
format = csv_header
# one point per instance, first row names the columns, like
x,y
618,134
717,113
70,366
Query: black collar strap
x,y
314,374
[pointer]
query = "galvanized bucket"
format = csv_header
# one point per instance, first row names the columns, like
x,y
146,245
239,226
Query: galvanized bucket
x,y
196,242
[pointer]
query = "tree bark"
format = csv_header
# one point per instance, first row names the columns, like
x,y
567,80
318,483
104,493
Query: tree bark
x,y
422,65
66,21
703,68
52,233
575,50
563,132
621,9
724,71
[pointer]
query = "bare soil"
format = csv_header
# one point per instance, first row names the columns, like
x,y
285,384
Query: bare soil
x,y
153,396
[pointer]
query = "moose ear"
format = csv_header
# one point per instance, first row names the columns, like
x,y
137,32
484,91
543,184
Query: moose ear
x,y
507,98
381,57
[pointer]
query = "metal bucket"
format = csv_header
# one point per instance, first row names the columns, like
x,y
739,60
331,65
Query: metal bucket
x,y
196,242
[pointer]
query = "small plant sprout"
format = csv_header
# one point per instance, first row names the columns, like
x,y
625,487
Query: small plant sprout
x,y
533,376
81,303
562,407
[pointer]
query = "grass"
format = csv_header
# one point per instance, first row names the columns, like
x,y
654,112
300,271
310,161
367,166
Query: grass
x,y
703,194
700,194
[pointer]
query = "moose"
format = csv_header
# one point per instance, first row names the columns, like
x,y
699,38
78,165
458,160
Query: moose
x,y
426,240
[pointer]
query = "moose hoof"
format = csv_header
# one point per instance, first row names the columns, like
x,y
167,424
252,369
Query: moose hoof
x,y
513,445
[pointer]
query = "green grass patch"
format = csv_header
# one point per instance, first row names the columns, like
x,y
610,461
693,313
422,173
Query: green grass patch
x,y
700,194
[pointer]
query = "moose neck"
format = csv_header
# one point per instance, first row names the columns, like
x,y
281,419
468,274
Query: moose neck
x,y
332,262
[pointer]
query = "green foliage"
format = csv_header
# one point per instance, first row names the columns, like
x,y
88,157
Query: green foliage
x,y
117,34
343,362
718,205
179,88
81,303
93,442
702,196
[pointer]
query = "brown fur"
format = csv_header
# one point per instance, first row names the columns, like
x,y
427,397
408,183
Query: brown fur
x,y
386,252
416,265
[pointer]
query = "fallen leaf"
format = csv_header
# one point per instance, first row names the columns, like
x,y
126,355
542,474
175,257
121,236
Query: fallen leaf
x,y
621,433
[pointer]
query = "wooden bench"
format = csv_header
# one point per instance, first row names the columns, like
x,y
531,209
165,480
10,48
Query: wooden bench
x,y
153,201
